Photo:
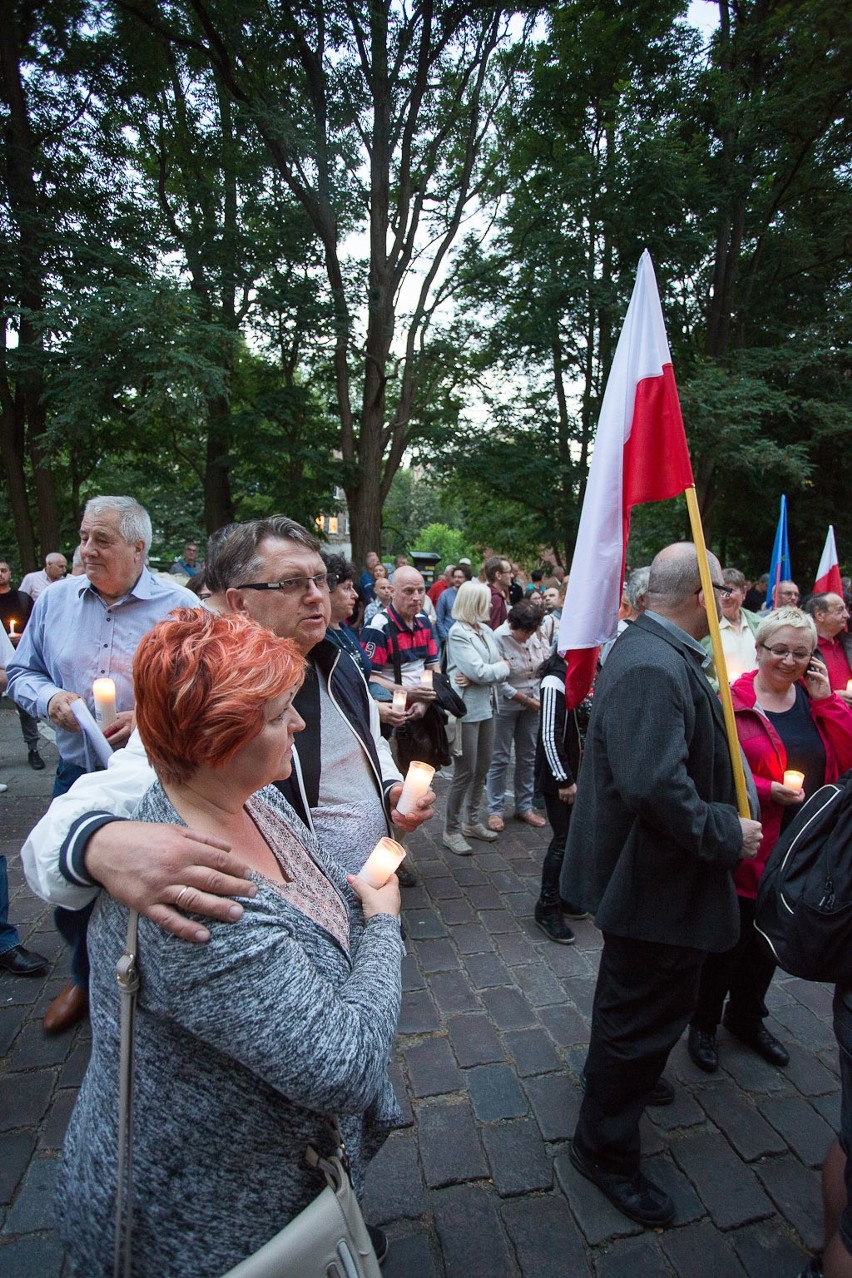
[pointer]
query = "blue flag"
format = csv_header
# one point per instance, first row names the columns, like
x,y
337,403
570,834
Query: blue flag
x,y
779,569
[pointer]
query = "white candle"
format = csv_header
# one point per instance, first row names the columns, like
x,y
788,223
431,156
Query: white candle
x,y
400,699
848,681
103,695
426,678
417,783
793,779
382,863
13,634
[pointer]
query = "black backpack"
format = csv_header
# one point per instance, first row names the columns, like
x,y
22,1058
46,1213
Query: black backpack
x,y
804,902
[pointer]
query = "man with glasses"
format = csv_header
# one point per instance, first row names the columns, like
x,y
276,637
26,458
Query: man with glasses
x,y
343,784
653,842
786,595
830,616
736,627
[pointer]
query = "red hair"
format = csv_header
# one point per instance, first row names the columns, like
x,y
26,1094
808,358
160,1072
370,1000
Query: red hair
x,y
202,682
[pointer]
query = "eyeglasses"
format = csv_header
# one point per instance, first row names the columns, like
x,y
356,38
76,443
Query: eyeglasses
x,y
724,591
296,585
779,651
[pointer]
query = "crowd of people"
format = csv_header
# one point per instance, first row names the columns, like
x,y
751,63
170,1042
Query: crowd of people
x,y
260,745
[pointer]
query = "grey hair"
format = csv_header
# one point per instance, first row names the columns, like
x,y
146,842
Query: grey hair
x,y
472,603
134,522
232,557
780,617
733,577
818,603
637,585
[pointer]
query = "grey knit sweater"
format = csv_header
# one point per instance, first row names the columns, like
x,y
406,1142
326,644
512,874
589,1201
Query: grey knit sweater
x,y
243,1046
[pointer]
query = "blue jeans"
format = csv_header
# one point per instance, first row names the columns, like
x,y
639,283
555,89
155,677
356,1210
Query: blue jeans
x,y
73,925
8,935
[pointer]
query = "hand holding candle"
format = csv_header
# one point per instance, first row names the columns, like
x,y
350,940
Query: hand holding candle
x,y
426,678
103,695
382,863
793,780
400,700
417,783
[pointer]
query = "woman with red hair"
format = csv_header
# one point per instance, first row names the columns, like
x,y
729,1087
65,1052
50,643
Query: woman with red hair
x,y
247,1047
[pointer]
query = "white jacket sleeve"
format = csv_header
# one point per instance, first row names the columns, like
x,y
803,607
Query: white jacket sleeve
x,y
390,772
53,852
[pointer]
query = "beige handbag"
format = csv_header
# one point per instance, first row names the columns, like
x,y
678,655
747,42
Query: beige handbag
x,y
327,1240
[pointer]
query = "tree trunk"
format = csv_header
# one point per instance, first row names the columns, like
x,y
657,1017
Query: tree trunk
x,y
218,499
12,450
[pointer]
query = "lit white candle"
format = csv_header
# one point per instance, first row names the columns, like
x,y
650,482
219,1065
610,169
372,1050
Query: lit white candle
x,y
417,783
103,695
426,678
793,780
848,682
13,634
400,699
381,863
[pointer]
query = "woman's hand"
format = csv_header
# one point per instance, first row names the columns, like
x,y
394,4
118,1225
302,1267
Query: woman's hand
x,y
567,793
384,900
462,680
387,714
816,680
785,796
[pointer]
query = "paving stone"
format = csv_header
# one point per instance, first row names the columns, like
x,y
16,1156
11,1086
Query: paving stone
x,y
17,1150
472,938
804,1130
748,1070
651,1138
565,1025
829,1058
25,1097
797,1195
588,936
532,1051
433,869
634,1258
662,1170
818,998
492,862
486,970
418,1014
515,949
749,1133
432,1068
508,1008
415,898
469,875
804,1026
471,1235
517,1157
829,1108
808,1074
567,961
495,1092
401,1092
683,1112
541,986
34,1048
484,897
410,1256
522,904
449,1144
33,1210
556,1103
547,1242
26,1257
597,1218
474,1040
394,1182
766,1250
436,956
498,922
726,1186
412,977
456,911
701,1252
581,991
53,1131
11,1021
507,881
444,889
74,1069
452,993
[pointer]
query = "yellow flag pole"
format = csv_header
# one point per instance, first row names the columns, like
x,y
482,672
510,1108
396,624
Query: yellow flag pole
x,y
718,653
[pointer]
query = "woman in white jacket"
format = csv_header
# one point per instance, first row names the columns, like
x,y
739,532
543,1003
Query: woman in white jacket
x,y
475,666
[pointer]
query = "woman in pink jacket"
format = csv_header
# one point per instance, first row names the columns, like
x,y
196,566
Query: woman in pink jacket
x,y
787,718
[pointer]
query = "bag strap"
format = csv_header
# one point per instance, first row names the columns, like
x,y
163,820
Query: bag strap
x,y
395,657
127,975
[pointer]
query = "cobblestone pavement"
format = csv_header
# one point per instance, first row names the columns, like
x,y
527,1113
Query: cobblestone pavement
x,y
491,1042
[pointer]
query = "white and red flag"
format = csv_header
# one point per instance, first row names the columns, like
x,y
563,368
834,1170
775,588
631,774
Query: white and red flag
x,y
828,574
640,455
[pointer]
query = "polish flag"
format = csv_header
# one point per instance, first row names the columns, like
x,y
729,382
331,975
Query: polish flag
x,y
828,573
640,455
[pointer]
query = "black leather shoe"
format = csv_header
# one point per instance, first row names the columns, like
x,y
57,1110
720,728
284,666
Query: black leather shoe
x,y
758,1038
35,761
635,1196
379,1239
662,1093
701,1046
21,962
549,919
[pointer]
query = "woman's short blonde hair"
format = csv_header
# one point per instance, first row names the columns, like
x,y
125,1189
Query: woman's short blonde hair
x,y
781,617
472,603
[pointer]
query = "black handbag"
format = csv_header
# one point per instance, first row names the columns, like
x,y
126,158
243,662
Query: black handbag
x,y
447,697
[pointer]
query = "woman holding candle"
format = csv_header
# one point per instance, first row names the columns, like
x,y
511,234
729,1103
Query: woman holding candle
x,y
788,719
474,664
244,1047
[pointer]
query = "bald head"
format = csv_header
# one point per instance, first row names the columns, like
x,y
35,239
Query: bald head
x,y
674,587
409,589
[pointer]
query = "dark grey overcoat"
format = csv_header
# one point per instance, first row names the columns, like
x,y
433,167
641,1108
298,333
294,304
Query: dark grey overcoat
x,y
654,833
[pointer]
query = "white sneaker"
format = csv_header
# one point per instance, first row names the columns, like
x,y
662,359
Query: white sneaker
x,y
478,831
3,788
457,844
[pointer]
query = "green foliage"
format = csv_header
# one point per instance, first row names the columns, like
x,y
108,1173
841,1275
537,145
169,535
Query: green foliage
x,y
450,543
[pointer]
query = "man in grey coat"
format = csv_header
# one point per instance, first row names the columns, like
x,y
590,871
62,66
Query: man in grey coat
x,y
654,837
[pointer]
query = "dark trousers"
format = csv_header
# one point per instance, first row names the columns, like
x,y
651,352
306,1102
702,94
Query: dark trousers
x,y
73,925
643,1001
8,934
29,729
559,816
743,973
